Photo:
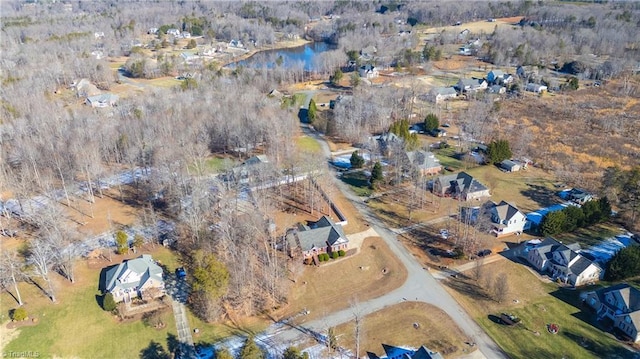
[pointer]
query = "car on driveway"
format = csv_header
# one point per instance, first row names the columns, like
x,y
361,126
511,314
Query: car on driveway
x,y
444,233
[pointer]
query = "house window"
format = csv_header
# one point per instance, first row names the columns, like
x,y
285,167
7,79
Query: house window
x,y
627,319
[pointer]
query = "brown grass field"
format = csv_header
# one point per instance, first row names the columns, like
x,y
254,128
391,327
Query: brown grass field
x,y
395,326
327,288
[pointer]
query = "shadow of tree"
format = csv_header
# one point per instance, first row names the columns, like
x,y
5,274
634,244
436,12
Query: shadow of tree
x,y
599,348
154,351
172,343
495,319
540,194
465,287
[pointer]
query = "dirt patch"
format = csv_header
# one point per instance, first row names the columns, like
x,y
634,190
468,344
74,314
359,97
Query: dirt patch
x,y
326,289
23,323
105,214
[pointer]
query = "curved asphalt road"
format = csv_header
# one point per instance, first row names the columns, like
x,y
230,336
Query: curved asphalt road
x,y
420,284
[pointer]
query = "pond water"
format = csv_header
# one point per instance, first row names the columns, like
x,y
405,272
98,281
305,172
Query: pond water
x,y
288,58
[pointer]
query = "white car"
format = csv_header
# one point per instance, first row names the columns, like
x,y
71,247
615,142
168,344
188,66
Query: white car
x,y
444,233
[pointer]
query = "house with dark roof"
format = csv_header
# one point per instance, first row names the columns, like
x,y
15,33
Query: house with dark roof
x,y
577,196
424,162
132,278
461,186
507,219
563,262
396,352
619,304
323,236
368,71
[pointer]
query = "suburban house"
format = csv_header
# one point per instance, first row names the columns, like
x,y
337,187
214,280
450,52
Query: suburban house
x,y
85,88
577,196
471,85
619,304
174,32
465,51
236,44
461,186
497,89
394,352
495,76
368,71
103,100
510,166
388,141
537,88
323,236
440,94
563,263
508,219
424,162
251,167
132,278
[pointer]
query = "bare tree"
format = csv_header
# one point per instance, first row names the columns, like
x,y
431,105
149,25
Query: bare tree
x,y
11,272
500,287
41,257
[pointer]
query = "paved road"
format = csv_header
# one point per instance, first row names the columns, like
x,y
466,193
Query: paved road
x,y
420,284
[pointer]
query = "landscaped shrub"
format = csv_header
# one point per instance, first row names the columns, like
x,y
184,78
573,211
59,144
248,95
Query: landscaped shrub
x,y
334,255
325,257
19,314
108,303
341,253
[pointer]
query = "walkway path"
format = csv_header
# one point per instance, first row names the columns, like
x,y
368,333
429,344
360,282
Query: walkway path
x,y
178,289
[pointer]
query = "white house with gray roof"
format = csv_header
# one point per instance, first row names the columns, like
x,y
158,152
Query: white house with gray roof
x,y
440,94
132,278
507,219
563,262
323,236
620,304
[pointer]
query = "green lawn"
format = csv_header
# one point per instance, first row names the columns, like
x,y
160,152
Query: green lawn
x,y
447,159
590,236
78,327
213,165
358,181
308,144
576,338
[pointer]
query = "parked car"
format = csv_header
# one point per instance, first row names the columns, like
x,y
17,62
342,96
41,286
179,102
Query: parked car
x,y
484,253
444,233
181,273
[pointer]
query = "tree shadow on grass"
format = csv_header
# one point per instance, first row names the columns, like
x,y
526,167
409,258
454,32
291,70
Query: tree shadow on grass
x,y
469,289
495,319
541,195
154,351
598,348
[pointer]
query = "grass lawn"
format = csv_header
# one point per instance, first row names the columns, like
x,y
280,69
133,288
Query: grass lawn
x,y
538,304
308,144
358,181
447,159
590,236
213,165
325,289
76,326
394,325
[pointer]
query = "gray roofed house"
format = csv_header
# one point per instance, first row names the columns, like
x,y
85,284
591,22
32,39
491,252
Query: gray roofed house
x,y
494,76
461,186
368,71
471,85
619,303
510,166
508,219
425,162
323,236
439,94
132,278
103,100
563,262
397,352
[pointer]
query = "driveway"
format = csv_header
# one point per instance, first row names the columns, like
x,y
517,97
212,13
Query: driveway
x,y
178,289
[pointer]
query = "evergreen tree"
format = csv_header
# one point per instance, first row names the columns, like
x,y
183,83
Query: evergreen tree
x,y
431,122
108,303
250,350
209,275
337,76
313,111
624,264
122,242
499,151
552,223
376,174
356,160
